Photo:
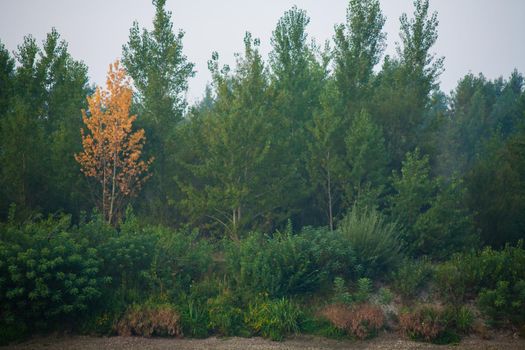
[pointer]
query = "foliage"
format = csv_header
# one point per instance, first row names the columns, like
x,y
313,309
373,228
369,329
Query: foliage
x,y
193,307
366,158
48,274
359,44
40,104
112,151
362,291
156,62
496,193
181,257
374,240
226,317
435,221
411,277
504,304
287,264
465,275
385,296
233,170
436,324
273,319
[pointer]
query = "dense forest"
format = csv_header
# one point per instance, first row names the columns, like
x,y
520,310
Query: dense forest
x,y
315,190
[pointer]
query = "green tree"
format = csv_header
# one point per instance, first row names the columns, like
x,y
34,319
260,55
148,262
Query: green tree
x,y
236,178
324,163
367,162
160,72
418,35
433,212
359,44
405,85
7,72
496,192
297,78
39,131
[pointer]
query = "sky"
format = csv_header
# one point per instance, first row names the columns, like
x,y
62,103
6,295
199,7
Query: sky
x,y
474,35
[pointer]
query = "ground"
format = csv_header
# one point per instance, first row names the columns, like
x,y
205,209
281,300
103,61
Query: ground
x,y
385,341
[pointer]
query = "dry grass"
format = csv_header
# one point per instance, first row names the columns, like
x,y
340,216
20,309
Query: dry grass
x,y
361,321
424,323
147,321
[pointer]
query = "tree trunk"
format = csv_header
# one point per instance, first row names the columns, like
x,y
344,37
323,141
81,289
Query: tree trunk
x,y
113,179
329,191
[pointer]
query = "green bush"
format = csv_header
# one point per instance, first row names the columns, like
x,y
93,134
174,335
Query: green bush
x,y
411,277
385,296
273,319
48,274
322,327
464,276
287,264
180,258
226,316
374,240
505,304
193,307
363,290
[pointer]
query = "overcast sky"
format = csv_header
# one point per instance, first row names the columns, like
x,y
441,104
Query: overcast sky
x,y
474,35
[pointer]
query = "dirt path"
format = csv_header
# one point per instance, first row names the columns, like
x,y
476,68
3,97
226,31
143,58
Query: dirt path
x,y
386,341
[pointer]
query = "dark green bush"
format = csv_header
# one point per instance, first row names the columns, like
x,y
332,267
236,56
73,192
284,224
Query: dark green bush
x,y
273,319
48,274
193,307
287,264
362,291
411,277
180,258
374,240
465,275
322,327
505,304
226,315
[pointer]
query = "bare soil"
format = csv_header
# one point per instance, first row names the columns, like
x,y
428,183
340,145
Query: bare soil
x,y
385,341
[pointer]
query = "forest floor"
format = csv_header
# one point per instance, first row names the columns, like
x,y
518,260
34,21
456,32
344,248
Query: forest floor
x,y
385,341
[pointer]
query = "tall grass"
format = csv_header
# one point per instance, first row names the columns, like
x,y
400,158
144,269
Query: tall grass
x,y
374,240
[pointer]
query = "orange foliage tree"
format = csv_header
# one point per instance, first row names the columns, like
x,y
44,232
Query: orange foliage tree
x,y
112,150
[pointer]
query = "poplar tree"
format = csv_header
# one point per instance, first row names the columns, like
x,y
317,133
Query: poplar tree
x,y
160,71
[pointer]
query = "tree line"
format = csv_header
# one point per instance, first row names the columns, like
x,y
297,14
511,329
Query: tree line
x,y
306,135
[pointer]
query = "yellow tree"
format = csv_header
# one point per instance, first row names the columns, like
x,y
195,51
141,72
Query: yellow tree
x,y
112,150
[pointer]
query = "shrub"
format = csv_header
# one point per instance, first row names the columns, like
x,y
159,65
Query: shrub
x,y
385,296
505,304
362,292
423,324
48,274
150,319
193,307
435,324
194,318
287,264
361,320
180,259
460,319
374,240
226,317
273,319
411,277
322,327
495,273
